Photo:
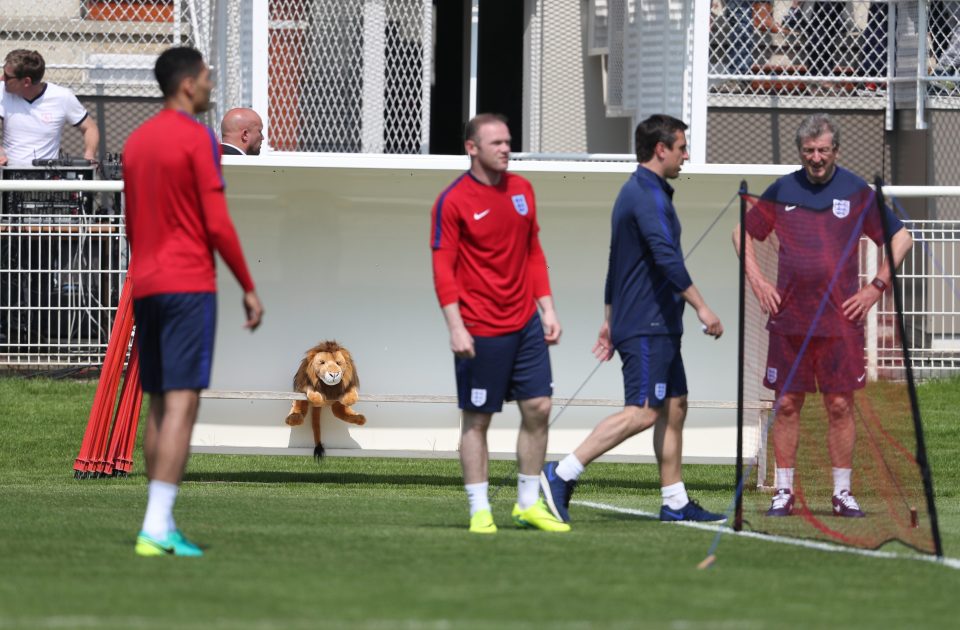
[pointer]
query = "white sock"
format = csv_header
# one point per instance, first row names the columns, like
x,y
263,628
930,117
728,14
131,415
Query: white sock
x,y
528,490
569,468
841,479
477,495
675,495
160,499
784,478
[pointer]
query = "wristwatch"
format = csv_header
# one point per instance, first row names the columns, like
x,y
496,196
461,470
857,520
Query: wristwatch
x,y
880,284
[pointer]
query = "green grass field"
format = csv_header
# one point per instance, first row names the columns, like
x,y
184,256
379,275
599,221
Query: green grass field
x,y
381,543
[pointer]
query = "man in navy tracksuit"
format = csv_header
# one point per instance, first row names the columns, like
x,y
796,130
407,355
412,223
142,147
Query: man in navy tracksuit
x,y
646,290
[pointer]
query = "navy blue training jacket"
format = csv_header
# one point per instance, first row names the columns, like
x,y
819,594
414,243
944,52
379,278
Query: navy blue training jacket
x,y
646,273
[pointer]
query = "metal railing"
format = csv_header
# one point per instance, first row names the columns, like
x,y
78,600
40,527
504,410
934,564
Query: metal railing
x,y
929,280
63,260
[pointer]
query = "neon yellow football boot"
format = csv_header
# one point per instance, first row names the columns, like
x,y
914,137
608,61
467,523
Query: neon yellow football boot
x,y
482,523
174,544
538,516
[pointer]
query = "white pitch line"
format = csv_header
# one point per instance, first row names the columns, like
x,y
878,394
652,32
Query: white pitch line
x,y
953,563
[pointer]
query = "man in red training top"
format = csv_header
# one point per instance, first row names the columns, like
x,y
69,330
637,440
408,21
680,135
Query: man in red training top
x,y
490,275
176,217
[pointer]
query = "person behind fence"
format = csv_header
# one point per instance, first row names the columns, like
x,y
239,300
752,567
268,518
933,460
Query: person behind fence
x,y
34,112
490,276
872,60
823,28
176,217
948,62
646,289
742,36
241,132
819,200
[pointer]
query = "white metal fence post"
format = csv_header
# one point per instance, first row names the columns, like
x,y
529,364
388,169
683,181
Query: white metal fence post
x,y
374,51
260,88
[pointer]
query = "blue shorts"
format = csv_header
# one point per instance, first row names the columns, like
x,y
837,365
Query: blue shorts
x,y
175,333
507,367
652,369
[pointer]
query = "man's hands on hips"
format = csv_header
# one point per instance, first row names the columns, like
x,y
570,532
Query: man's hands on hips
x,y
856,307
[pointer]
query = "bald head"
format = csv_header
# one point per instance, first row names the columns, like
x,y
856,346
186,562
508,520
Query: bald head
x,y
242,128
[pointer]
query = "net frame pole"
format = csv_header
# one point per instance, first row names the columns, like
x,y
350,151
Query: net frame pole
x,y
741,327
911,387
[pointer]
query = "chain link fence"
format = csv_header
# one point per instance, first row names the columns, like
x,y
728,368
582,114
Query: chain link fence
x,y
834,53
104,51
943,61
350,76
799,53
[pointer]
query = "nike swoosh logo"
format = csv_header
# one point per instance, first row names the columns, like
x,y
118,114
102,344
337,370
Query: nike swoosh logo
x,y
789,208
167,550
479,215
551,474
861,377
673,514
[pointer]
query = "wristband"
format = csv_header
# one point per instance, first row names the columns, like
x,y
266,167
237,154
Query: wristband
x,y
880,284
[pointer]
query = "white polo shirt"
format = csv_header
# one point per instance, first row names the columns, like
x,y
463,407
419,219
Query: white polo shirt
x,y
32,129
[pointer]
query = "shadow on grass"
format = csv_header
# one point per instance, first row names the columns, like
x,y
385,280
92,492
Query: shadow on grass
x,y
603,515
340,478
380,479
599,485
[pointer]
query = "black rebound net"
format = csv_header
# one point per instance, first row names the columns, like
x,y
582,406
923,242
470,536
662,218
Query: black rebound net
x,y
805,350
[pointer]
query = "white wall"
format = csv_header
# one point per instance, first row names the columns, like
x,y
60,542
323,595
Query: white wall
x,y
338,247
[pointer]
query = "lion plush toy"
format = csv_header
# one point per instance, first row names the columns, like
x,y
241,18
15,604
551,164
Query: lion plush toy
x,y
328,377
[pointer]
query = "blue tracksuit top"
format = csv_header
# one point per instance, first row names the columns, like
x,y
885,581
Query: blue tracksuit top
x,y
646,273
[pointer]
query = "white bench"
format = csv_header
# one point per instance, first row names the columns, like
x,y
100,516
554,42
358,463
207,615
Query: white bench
x,y
226,394
440,440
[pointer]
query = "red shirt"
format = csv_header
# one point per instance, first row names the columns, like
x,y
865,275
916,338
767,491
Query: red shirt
x,y
176,212
486,253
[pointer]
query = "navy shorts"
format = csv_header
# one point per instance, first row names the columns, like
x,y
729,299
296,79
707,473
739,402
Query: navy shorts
x,y
175,333
652,369
835,364
507,367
